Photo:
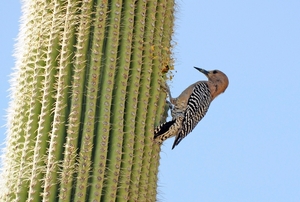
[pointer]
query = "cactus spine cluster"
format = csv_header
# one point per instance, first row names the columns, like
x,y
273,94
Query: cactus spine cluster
x,y
85,99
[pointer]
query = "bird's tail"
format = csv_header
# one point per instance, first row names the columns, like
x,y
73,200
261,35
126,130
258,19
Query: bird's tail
x,y
162,132
167,130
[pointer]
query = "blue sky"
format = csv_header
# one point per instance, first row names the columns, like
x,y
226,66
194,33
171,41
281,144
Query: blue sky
x,y
247,147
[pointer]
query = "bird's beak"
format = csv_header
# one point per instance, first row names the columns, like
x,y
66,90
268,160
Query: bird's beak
x,y
202,70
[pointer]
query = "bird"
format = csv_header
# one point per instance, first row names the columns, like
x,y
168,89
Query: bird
x,y
190,106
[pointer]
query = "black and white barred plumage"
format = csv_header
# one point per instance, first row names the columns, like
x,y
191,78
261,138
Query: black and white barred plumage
x,y
183,123
196,109
191,106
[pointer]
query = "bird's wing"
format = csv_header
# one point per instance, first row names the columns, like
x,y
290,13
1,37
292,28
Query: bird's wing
x,y
197,107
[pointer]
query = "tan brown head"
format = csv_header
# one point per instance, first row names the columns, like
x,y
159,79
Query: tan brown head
x,y
217,81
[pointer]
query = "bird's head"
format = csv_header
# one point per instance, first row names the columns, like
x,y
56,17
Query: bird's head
x,y
217,79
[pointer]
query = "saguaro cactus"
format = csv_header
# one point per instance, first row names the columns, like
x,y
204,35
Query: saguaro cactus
x,y
86,95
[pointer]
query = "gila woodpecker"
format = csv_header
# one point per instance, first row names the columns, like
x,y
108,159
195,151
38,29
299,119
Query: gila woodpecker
x,y
191,106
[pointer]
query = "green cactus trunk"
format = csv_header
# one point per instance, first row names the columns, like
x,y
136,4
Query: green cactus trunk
x,y
86,95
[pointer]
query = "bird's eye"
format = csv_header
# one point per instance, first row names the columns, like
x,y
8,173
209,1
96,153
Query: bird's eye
x,y
215,71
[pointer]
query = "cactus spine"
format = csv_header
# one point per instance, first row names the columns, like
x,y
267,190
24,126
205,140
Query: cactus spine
x,y
84,101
